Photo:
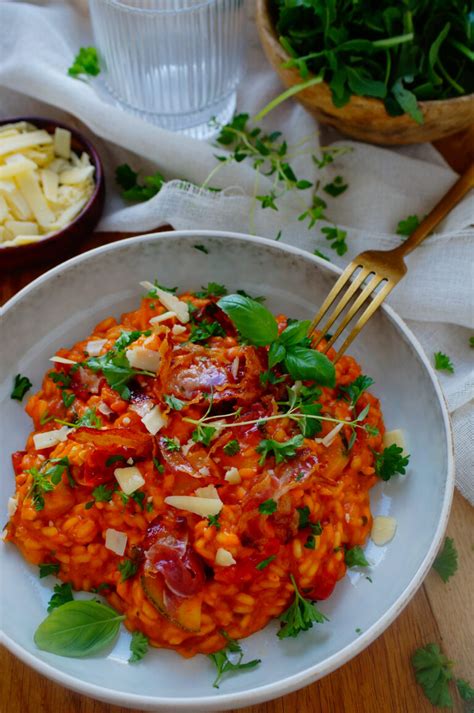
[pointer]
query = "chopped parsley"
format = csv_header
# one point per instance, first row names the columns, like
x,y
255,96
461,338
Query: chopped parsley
x,y
433,673
446,562
68,398
60,378
466,691
127,568
203,331
138,646
45,479
357,387
21,385
86,62
443,363
255,299
174,403
264,563
390,462
203,434
267,507
89,419
114,459
303,514
232,447
280,449
310,543
355,557
170,444
159,467
213,521
213,289
102,494
47,568
224,664
62,594
408,225
300,615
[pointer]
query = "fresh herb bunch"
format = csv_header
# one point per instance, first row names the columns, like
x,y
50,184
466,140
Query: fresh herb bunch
x,y
397,52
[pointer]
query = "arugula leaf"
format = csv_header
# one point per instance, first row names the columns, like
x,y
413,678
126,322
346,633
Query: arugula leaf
x,y
355,557
253,321
138,646
408,225
21,385
78,628
390,462
224,664
202,331
267,507
281,450
213,289
232,447
134,191
47,568
466,691
433,673
443,363
127,568
446,562
62,594
337,187
174,403
85,62
357,387
300,616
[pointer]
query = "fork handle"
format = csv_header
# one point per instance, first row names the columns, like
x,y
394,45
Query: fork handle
x,y
441,209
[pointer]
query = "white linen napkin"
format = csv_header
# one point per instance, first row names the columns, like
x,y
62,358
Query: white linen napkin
x,y
37,45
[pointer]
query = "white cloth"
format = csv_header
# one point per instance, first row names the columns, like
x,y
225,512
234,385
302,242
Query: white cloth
x,y
37,44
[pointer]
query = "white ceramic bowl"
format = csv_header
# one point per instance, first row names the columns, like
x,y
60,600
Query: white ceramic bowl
x,y
64,304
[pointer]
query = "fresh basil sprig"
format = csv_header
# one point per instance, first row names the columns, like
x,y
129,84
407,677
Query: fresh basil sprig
x,y
78,628
292,348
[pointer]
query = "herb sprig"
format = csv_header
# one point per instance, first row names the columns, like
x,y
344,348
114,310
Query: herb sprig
x,y
230,659
300,615
21,385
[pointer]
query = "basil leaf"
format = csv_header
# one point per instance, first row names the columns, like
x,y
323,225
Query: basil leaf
x,y
276,354
254,322
78,628
308,364
294,333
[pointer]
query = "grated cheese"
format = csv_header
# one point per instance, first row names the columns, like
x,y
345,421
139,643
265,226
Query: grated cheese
x,y
61,360
12,506
62,142
115,541
154,420
162,317
47,439
224,558
129,479
169,301
94,347
143,358
233,476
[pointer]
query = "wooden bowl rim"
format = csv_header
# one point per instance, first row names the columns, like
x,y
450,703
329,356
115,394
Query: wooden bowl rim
x,y
268,28
41,121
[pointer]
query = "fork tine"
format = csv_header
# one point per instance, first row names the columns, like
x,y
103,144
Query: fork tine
x,y
365,316
347,295
348,272
366,292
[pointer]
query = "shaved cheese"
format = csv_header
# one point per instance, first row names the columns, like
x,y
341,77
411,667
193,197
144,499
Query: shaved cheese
x,y
21,227
50,183
129,479
19,207
329,437
233,476
94,347
154,420
61,360
115,541
62,142
199,506
47,439
383,530
169,301
187,446
235,367
178,329
395,437
104,409
75,160
143,358
210,491
4,212
15,168
30,190
224,558
25,239
76,175
23,141
7,187
12,506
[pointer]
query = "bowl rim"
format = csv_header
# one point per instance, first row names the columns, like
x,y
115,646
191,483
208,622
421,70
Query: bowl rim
x,y
99,178
266,26
294,682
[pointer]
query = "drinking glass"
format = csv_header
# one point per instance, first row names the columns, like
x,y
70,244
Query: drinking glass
x,y
177,63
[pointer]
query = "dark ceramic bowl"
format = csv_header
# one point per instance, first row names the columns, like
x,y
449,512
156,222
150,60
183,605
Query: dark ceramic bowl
x,y
65,240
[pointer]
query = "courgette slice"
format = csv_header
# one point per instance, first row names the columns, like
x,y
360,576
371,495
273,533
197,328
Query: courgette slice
x,y
180,611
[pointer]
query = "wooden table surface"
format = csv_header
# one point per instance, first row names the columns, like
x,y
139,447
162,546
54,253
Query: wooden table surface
x,y
380,679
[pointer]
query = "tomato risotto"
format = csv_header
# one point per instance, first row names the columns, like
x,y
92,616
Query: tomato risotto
x,y
199,464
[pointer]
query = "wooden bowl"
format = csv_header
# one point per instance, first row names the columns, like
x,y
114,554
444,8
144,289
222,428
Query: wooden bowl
x,y
63,242
364,118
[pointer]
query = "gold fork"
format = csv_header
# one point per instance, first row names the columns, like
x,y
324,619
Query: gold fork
x,y
381,266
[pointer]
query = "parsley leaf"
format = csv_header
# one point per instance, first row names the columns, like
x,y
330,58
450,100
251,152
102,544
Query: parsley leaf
x,y
102,494
337,187
202,331
68,398
355,557
267,507
174,403
203,434
299,616
134,191
213,289
356,388
213,521
264,563
471,342
47,568
390,462
224,664
170,444
280,449
85,62
408,225
433,673
446,562
466,691
90,419
45,480
114,459
60,378
138,646
232,447
443,363
303,514
21,385
127,568
62,594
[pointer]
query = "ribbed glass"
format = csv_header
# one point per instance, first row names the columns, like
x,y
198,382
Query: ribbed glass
x,y
176,62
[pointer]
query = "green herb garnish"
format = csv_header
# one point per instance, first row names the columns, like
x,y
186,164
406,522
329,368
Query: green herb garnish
x,y
264,563
224,664
213,521
201,249
85,62
174,403
267,507
390,462
21,385
114,459
138,646
202,331
213,289
170,444
62,594
134,191
47,568
356,388
281,450
300,615
337,187
443,363
232,447
355,557
433,673
446,562
408,225
127,568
